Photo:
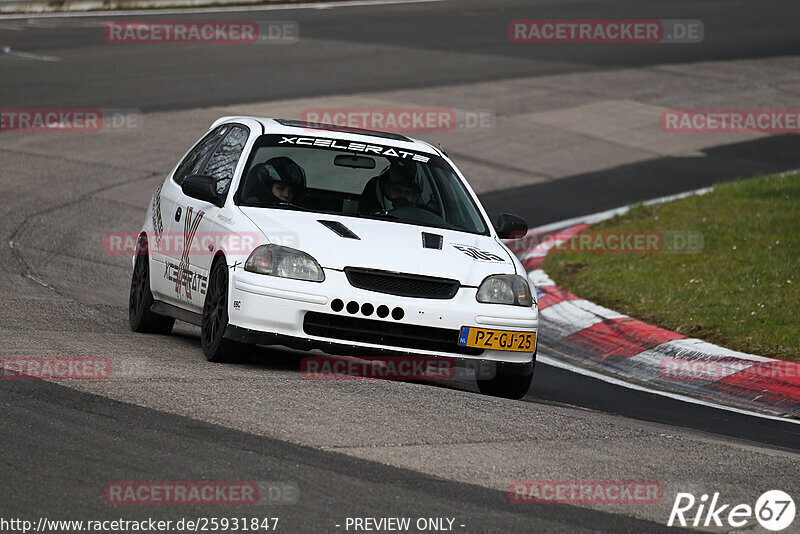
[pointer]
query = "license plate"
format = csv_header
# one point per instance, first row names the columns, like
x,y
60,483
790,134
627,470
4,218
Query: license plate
x,y
485,338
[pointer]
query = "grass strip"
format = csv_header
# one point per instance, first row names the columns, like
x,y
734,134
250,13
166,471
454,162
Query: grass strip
x,y
723,267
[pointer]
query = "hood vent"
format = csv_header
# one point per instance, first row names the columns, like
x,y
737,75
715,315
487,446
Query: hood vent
x,y
432,241
338,228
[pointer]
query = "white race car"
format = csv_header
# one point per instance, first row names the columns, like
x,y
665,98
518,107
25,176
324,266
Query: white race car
x,y
280,232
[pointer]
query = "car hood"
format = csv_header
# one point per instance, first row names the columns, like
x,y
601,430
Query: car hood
x,y
384,245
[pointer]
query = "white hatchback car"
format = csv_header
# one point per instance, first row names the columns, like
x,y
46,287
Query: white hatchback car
x,y
280,232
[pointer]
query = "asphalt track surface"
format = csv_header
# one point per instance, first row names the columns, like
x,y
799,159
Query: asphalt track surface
x,y
128,438
434,44
61,445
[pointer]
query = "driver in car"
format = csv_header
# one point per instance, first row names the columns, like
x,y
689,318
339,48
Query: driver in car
x,y
277,180
399,186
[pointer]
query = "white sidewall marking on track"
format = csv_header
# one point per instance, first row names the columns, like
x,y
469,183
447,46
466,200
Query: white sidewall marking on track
x,y
540,275
595,218
698,345
189,11
573,316
600,216
539,278
7,51
554,362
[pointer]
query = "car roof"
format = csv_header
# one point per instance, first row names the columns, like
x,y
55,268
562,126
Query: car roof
x,y
296,127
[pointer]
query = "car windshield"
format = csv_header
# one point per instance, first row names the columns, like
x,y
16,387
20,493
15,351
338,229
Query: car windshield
x,y
357,179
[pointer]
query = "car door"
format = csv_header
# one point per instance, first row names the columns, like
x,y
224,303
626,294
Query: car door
x,y
167,280
198,220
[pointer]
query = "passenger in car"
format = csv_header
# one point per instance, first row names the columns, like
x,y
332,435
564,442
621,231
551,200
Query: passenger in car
x,y
277,180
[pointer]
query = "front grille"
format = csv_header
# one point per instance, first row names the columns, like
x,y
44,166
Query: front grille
x,y
385,333
405,285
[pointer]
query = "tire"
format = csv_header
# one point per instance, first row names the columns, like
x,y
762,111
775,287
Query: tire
x,y
511,381
140,299
215,319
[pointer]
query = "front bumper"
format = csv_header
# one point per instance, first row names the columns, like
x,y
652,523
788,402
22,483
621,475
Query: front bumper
x,y
300,314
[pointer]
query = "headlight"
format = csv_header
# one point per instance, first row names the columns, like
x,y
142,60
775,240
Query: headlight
x,y
505,289
284,262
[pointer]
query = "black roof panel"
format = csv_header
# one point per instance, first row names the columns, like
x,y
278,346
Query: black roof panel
x,y
360,131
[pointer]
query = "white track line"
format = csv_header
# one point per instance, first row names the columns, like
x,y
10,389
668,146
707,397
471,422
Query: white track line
x,y
7,51
227,9
555,362
595,218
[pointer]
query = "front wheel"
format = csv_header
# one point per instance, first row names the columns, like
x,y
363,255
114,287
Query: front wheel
x,y
511,380
140,299
215,318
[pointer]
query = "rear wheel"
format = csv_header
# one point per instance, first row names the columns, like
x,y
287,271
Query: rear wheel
x,y
215,318
140,299
511,381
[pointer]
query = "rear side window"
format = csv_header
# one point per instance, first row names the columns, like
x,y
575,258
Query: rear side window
x,y
224,159
194,160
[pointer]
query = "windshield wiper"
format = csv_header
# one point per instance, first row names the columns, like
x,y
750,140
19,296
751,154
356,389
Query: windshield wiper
x,y
384,215
378,215
279,205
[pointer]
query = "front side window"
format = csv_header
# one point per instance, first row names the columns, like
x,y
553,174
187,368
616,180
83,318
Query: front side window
x,y
359,180
194,160
223,161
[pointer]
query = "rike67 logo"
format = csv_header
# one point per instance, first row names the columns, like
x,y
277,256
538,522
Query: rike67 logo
x,y
774,510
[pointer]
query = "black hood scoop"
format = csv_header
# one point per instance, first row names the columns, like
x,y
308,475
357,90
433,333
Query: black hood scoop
x,y
339,229
434,241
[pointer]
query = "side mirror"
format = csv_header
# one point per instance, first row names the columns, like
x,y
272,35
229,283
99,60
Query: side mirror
x,y
510,226
202,187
